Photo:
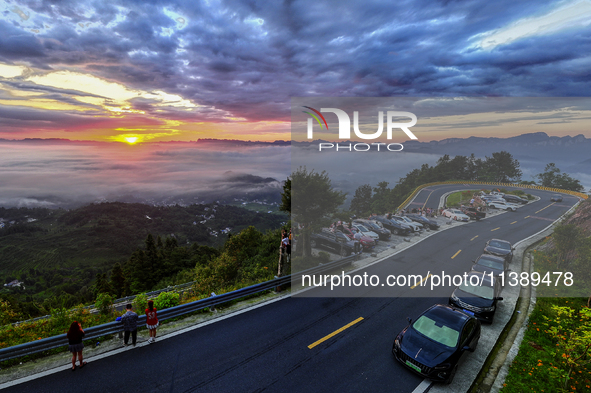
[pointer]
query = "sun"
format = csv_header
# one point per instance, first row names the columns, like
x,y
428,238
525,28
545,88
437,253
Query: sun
x,y
131,139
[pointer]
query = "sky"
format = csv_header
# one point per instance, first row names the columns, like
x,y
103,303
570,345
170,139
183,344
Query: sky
x,y
136,71
118,81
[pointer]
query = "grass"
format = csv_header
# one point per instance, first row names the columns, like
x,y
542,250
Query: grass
x,y
458,198
540,364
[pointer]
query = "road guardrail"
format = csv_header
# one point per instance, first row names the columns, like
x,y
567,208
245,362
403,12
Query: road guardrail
x,y
167,313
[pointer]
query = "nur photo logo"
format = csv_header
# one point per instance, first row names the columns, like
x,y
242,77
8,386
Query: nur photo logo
x,y
392,122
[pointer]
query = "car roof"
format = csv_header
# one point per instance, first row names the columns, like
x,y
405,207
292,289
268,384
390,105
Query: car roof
x,y
490,257
500,240
485,277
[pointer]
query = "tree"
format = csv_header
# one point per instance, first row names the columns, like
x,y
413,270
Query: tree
x,y
118,280
102,284
314,201
361,203
502,167
381,200
286,197
551,177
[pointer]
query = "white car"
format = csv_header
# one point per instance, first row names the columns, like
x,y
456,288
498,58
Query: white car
x,y
503,205
455,214
411,223
414,227
367,232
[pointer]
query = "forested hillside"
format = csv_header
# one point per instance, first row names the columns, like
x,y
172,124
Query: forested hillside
x,y
56,255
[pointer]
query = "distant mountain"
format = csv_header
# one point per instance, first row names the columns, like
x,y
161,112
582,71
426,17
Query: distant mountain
x,y
533,150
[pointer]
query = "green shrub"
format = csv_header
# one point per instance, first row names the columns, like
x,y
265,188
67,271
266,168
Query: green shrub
x,y
323,257
140,303
166,300
60,318
104,303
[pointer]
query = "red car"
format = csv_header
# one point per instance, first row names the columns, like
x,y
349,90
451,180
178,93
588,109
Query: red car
x,y
366,242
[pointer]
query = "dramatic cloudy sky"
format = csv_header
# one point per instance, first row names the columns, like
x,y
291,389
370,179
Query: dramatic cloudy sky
x,y
138,72
181,70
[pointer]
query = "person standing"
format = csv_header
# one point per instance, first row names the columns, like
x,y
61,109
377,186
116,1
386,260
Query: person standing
x,y
129,320
151,321
75,334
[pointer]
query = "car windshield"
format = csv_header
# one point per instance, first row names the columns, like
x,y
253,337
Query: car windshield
x,y
378,224
362,228
482,291
436,331
457,211
501,245
488,263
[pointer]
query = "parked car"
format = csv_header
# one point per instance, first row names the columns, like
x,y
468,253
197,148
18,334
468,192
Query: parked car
x,y
556,198
492,198
366,232
415,226
367,243
503,205
432,224
487,263
433,345
473,213
383,233
397,228
333,242
455,214
478,296
500,248
515,199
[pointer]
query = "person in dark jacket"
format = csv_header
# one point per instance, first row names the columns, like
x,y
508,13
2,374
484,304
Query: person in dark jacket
x,y
75,334
129,320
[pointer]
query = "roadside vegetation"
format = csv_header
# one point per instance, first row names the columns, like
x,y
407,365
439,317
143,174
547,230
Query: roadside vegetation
x,y
555,355
62,258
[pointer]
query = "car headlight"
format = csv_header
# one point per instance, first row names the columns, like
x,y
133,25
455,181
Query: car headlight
x,y
443,366
454,297
492,308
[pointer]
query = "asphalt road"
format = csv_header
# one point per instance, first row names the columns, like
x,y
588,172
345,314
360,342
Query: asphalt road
x,y
267,349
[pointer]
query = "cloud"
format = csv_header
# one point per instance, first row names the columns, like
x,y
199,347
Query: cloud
x,y
248,59
58,173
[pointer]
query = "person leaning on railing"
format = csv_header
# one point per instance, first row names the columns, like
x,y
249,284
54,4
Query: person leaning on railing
x,y
75,334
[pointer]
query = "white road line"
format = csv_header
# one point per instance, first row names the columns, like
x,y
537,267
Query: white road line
x,y
423,386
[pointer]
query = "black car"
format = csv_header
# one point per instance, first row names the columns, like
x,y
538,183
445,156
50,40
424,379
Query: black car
x,y
515,199
336,242
487,263
473,213
432,224
556,198
500,248
394,226
478,296
433,345
383,233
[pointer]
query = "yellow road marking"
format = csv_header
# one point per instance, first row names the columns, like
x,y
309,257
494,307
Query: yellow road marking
x,y
424,204
526,217
513,222
416,285
474,237
323,339
545,207
456,254
495,229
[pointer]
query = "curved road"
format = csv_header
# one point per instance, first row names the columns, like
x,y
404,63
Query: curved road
x,y
267,349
